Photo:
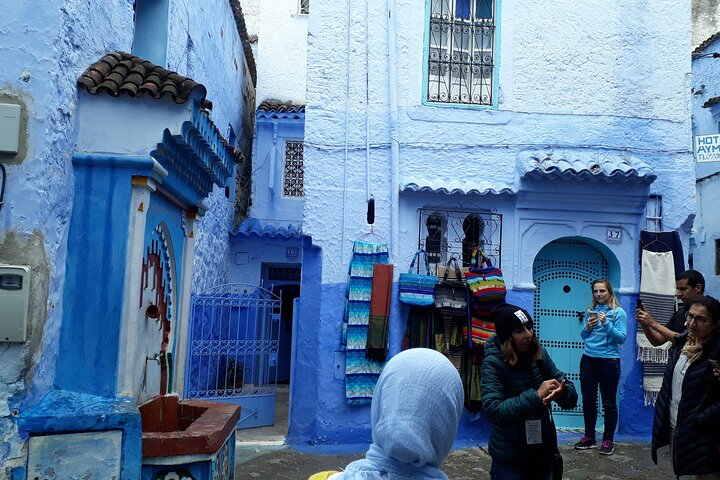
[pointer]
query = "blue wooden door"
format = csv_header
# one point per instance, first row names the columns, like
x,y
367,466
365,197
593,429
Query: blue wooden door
x,y
562,273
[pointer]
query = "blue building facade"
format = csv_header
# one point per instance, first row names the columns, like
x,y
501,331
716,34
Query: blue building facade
x,y
268,246
120,197
490,123
705,241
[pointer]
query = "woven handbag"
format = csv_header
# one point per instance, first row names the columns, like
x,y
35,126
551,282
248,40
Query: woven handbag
x,y
451,292
417,288
486,284
487,290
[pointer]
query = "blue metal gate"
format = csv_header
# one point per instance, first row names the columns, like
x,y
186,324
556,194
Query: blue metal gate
x,y
233,350
562,273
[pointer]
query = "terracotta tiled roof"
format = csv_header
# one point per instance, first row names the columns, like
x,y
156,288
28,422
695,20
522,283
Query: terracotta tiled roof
x,y
711,102
281,107
120,72
708,41
242,30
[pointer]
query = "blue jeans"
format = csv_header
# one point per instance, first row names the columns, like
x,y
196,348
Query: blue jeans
x,y
605,373
506,471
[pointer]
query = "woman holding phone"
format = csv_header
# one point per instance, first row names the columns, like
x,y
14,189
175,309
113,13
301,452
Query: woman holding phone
x,y
687,411
604,330
519,382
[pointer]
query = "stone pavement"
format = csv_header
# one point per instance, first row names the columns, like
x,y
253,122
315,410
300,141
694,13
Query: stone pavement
x,y
631,460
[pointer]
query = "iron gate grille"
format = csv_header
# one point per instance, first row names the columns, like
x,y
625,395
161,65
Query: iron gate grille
x,y
233,343
446,232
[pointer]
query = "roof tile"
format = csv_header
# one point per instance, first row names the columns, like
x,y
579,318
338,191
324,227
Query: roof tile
x,y
706,43
279,106
253,227
242,31
581,165
121,72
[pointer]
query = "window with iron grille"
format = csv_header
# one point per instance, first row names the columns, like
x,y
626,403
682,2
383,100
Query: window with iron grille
x,y
717,257
304,7
293,169
461,51
454,230
653,214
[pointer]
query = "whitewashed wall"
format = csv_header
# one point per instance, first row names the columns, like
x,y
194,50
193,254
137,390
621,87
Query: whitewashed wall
x,y
282,51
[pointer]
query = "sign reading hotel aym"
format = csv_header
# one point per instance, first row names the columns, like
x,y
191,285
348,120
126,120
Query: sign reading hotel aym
x,y
707,148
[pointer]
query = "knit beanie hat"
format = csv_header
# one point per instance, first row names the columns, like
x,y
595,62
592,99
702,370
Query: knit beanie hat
x,y
507,318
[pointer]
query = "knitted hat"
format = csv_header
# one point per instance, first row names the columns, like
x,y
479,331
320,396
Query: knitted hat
x,y
507,318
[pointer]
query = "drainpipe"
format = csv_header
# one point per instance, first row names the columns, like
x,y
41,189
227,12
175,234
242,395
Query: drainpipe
x,y
347,114
394,143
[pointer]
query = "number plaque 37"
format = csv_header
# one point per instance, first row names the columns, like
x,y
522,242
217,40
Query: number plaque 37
x,y
614,234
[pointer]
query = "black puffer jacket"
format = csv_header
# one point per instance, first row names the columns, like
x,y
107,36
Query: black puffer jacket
x,y
509,397
698,424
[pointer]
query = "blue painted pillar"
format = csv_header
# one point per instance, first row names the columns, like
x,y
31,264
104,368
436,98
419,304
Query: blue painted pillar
x,y
94,282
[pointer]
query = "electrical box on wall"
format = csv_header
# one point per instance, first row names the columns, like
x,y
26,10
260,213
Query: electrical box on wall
x,y
14,300
9,127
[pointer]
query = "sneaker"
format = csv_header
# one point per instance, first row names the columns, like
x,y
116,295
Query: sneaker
x,y
585,443
607,447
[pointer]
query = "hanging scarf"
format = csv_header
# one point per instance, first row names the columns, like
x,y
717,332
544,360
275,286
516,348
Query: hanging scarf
x,y
361,373
377,338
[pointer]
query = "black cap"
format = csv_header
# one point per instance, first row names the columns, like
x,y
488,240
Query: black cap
x,y
507,318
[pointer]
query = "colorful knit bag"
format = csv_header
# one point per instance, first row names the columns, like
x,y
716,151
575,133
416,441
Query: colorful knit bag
x,y
487,290
417,288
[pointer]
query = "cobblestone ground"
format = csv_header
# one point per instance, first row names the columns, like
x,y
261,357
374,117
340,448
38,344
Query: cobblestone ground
x,y
630,461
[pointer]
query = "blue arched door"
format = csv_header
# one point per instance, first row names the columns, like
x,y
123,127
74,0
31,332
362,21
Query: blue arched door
x,y
562,273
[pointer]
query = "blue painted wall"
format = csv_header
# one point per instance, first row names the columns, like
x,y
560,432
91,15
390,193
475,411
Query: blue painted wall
x,y
269,205
47,45
95,275
706,228
556,98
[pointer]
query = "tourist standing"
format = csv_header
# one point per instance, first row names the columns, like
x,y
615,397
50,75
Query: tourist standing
x,y
519,380
415,411
687,411
604,330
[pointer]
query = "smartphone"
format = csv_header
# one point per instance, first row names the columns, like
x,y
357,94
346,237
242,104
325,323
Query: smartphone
x,y
640,305
714,363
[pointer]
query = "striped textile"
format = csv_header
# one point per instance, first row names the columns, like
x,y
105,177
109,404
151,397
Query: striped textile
x,y
360,373
657,291
418,288
481,330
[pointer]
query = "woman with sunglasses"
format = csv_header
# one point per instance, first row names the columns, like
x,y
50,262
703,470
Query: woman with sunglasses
x,y
687,411
604,330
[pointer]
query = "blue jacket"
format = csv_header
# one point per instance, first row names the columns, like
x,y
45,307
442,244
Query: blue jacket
x,y
605,339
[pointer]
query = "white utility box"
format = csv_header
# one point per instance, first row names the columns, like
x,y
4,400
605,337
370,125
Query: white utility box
x,y
14,300
9,127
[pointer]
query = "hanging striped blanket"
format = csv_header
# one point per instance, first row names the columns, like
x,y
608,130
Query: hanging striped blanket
x,y
361,374
657,291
